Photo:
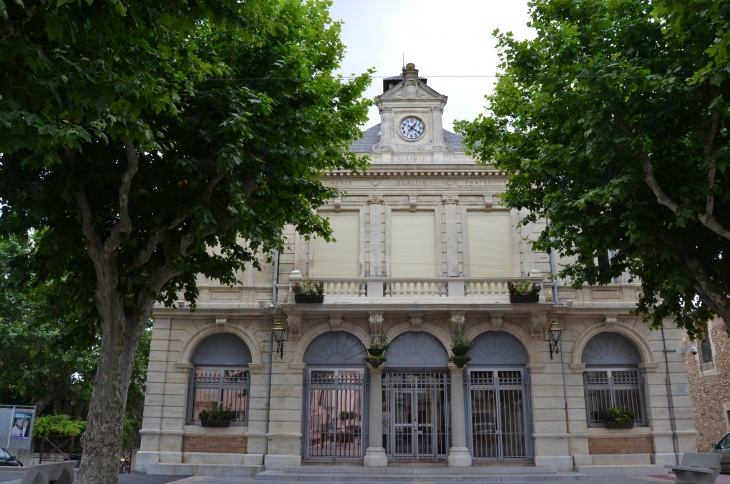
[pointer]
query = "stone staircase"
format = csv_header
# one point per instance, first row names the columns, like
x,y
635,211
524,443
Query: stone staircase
x,y
419,473
218,470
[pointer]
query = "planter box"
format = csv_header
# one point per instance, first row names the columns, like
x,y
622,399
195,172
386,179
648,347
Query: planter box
x,y
376,351
460,361
524,299
459,351
306,299
215,423
618,425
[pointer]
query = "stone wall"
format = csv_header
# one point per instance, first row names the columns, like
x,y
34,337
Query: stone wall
x,y
215,444
621,445
710,389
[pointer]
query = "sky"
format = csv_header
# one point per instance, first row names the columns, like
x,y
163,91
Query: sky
x,y
441,37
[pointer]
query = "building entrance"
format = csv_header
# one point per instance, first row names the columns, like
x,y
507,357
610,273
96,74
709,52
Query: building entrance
x,y
498,405
416,415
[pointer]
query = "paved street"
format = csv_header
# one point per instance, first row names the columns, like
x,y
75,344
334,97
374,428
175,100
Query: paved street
x,y
9,476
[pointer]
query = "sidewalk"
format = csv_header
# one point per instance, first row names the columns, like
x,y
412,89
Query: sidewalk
x,y
7,477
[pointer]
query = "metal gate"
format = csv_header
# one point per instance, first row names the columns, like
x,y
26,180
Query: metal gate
x,y
499,411
416,417
334,414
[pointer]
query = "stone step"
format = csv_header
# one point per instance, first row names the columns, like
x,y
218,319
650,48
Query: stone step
x,y
204,470
622,470
417,469
455,475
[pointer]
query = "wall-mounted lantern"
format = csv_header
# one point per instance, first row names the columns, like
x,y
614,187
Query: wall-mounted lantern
x,y
279,335
554,340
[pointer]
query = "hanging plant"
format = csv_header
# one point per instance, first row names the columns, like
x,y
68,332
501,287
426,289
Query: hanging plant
x,y
460,346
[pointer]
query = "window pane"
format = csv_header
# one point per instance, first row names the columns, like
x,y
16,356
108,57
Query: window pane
x,y
341,258
225,387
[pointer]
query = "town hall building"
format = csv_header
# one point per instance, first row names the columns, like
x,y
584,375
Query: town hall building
x,y
424,250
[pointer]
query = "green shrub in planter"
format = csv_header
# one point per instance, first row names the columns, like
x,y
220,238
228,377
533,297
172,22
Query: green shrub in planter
x,y
216,415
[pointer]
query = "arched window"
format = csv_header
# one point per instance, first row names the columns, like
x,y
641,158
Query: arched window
x,y
220,376
611,378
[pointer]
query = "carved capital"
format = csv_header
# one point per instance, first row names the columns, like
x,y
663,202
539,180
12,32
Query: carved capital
x,y
294,320
336,321
538,323
416,321
457,321
376,322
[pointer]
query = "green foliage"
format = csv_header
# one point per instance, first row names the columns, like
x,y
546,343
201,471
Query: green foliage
x,y
135,136
216,412
612,124
375,360
525,288
309,287
345,415
57,424
380,341
618,414
460,344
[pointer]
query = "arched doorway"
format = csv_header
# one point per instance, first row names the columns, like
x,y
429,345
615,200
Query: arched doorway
x,y
416,399
220,376
334,397
611,378
499,403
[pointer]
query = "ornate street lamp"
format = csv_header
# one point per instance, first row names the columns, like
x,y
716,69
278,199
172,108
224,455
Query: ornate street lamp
x,y
279,335
554,341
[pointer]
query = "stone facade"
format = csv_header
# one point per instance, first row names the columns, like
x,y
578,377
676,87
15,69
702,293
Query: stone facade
x,y
709,386
546,404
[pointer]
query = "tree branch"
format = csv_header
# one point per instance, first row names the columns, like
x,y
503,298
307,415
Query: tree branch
x,y
157,235
704,287
124,225
707,153
705,217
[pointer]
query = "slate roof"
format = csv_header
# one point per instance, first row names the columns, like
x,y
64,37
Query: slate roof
x,y
371,137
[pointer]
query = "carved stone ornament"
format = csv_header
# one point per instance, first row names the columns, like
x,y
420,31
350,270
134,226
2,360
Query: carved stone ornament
x,y
336,321
221,323
496,321
294,320
449,199
416,321
539,321
412,201
457,321
338,204
375,199
376,322
611,323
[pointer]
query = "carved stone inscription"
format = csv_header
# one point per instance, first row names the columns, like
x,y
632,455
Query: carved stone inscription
x,y
412,159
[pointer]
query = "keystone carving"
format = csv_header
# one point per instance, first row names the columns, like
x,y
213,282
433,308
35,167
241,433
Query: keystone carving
x,y
611,323
336,321
294,320
221,323
376,322
416,321
449,199
496,321
412,200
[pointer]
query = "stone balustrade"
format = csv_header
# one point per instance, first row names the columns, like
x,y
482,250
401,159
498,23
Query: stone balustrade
x,y
436,288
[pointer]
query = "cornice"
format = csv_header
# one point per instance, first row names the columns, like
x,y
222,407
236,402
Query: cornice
x,y
377,171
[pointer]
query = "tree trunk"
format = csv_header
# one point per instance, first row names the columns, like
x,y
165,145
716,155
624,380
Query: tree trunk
x,y
121,332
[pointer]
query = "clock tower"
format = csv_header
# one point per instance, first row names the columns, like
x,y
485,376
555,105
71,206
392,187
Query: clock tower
x,y
411,130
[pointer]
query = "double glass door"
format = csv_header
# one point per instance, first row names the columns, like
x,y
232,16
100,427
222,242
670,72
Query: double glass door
x,y
415,416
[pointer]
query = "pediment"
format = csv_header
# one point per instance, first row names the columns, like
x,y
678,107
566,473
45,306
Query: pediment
x,y
417,90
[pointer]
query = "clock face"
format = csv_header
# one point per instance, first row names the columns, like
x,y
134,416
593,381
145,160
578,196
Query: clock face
x,y
411,128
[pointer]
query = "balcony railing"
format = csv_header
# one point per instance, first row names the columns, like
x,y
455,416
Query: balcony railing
x,y
436,288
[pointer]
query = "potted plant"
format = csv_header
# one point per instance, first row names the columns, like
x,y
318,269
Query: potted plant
x,y
376,351
617,418
460,346
216,415
523,292
309,291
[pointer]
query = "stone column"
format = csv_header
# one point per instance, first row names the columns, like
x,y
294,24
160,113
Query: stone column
x,y
375,453
458,453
